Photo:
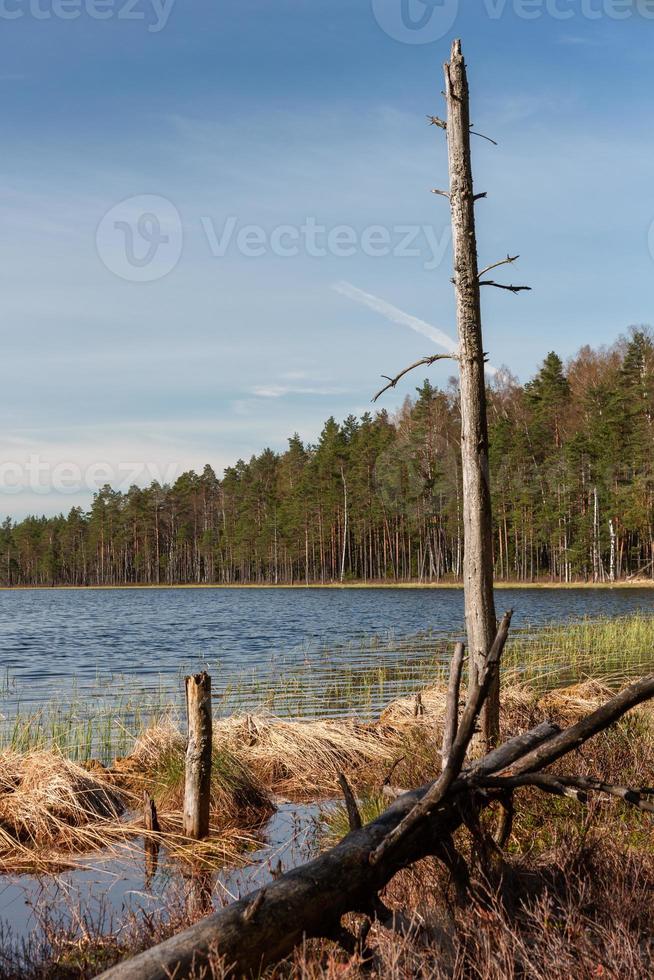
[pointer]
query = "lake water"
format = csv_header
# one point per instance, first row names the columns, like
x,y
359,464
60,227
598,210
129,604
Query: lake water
x,y
65,644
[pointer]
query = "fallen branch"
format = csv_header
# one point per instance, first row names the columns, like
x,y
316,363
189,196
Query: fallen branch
x,y
309,901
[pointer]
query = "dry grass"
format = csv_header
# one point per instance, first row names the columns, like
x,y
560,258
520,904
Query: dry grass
x,y
302,759
51,805
53,810
257,755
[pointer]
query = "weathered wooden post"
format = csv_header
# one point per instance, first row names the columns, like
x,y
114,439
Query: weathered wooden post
x,y
197,785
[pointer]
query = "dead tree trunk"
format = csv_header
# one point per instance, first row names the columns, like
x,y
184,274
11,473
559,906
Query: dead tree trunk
x,y
309,901
477,518
197,785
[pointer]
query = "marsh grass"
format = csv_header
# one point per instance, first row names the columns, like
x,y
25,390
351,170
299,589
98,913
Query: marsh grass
x,y
105,721
157,763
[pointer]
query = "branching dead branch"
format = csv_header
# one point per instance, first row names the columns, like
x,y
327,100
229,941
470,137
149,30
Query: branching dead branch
x,y
576,786
423,361
477,694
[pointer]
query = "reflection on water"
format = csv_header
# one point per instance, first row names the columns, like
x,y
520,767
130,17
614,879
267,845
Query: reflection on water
x,y
106,889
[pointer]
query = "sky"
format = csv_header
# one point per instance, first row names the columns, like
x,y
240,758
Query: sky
x,y
216,225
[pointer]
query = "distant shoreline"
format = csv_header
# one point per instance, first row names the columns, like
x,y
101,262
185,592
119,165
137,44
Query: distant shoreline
x,y
435,586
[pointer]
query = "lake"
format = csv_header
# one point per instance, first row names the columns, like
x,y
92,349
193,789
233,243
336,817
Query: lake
x,y
77,644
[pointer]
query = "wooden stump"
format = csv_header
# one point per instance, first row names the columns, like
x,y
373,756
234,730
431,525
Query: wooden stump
x,y
197,786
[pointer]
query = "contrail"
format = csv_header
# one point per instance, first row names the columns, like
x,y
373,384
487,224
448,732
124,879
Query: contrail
x,y
395,315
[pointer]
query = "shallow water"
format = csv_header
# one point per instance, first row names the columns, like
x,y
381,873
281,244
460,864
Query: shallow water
x,y
107,888
86,643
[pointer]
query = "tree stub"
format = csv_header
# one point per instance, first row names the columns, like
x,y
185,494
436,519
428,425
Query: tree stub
x,y
197,783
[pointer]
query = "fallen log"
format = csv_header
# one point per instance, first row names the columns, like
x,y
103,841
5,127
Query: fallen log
x,y
310,901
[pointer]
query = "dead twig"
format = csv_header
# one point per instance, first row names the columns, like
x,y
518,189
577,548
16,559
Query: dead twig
x,y
481,135
509,260
511,288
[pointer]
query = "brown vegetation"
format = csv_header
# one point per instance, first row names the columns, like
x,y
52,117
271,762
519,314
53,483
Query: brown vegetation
x,y
572,894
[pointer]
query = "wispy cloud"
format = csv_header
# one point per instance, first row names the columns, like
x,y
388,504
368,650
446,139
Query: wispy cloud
x,y
279,391
578,40
395,315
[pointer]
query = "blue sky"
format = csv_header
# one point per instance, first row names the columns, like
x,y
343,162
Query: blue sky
x,y
237,128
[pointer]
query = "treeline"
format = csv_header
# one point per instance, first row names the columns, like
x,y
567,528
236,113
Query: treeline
x,y
379,498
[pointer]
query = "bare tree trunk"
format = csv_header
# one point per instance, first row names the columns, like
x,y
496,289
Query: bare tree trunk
x,y
344,523
477,519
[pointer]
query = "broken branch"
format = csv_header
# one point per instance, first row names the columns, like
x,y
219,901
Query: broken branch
x,y
353,815
511,289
